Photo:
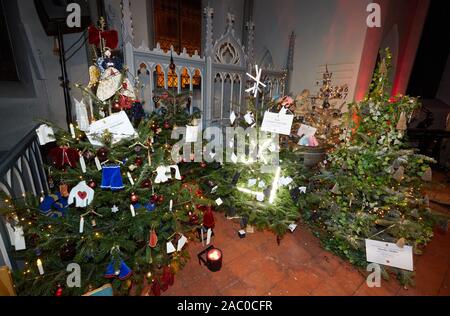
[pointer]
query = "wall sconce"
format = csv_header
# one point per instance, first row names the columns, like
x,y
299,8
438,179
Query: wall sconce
x,y
212,258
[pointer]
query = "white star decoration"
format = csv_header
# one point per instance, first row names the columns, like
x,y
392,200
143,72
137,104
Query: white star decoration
x,y
114,209
255,89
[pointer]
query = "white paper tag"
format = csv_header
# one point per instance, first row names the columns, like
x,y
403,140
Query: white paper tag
x,y
261,184
170,247
219,202
82,164
98,164
251,182
181,242
302,190
249,118
191,134
277,123
19,239
208,236
232,117
292,227
81,225
306,130
213,190
45,134
389,254
118,125
260,197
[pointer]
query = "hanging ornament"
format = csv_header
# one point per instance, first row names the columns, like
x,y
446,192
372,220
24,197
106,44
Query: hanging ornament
x,y
89,155
167,278
67,252
102,154
92,184
51,182
146,184
193,218
153,239
208,218
138,161
156,288
399,174
401,125
59,291
134,198
154,198
161,199
166,125
335,189
203,164
64,190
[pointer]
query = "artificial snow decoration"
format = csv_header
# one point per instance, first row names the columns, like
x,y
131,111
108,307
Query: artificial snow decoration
x,y
256,86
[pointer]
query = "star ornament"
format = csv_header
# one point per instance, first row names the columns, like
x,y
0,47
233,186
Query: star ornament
x,y
114,209
256,86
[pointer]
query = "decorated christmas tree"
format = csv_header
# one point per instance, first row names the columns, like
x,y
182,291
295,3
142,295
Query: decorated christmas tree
x,y
119,206
371,187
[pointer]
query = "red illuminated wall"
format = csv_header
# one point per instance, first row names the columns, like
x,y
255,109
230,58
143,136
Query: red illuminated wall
x,y
402,24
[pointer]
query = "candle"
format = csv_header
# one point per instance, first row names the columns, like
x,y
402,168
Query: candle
x,y
72,130
82,164
40,266
214,259
81,225
98,164
170,205
133,212
130,178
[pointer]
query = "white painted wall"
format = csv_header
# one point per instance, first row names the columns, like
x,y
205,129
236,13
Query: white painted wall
x,y
328,31
44,97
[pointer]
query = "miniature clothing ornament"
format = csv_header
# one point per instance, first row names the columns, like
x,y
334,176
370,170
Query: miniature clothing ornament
x,y
162,175
82,115
45,134
304,141
82,194
312,141
112,178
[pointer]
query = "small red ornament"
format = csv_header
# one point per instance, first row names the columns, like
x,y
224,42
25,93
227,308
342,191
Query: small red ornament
x,y
92,184
166,125
161,198
138,161
59,291
153,239
134,198
193,218
102,154
146,184
154,198
203,164
199,193
156,288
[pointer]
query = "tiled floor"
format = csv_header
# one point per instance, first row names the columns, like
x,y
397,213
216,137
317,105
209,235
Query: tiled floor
x,y
256,265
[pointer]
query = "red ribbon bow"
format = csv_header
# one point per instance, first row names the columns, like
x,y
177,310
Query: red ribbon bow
x,y
111,37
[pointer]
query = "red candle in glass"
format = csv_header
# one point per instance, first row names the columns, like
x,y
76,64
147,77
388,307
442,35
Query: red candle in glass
x,y
214,259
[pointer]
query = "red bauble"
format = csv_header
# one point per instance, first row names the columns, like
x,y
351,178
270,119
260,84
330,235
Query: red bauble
x,y
138,161
92,184
59,291
134,198
146,184
203,164
102,154
193,218
199,193
154,198
166,125
161,198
